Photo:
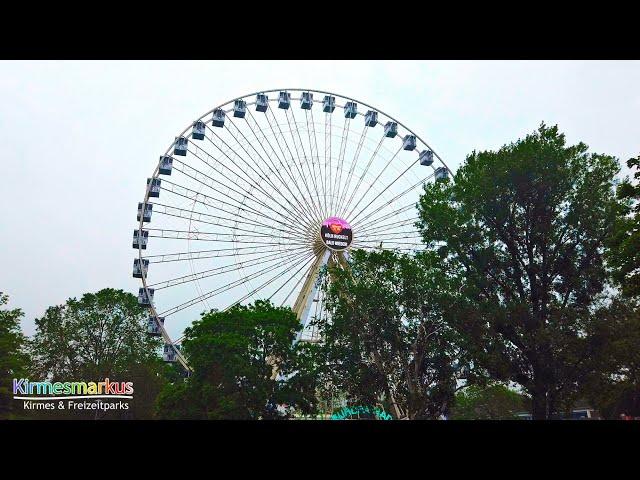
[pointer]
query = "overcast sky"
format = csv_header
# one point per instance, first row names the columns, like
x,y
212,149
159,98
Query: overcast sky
x,y
80,139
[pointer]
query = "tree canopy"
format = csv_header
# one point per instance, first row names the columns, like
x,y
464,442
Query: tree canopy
x,y
625,244
493,402
101,335
386,340
525,228
245,366
14,359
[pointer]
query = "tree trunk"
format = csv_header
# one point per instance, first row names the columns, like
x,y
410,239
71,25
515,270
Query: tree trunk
x,y
539,404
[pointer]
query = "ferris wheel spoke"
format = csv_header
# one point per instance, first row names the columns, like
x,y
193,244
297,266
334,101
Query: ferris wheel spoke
x,y
297,284
242,206
327,156
320,178
196,216
251,181
411,165
379,224
276,172
199,235
354,161
297,158
215,253
264,177
292,277
244,220
303,197
273,279
386,216
313,148
373,183
224,288
239,205
208,201
396,224
304,159
375,242
384,235
341,153
246,195
400,195
390,229
266,259
373,156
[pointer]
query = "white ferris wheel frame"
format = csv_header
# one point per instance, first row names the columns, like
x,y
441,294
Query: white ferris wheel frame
x,y
305,296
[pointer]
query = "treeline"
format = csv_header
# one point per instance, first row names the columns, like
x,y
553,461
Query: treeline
x,y
524,297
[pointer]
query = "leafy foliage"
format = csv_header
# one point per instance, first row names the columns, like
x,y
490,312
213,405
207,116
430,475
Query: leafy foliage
x,y
613,382
244,367
525,227
102,335
493,402
386,340
625,244
13,356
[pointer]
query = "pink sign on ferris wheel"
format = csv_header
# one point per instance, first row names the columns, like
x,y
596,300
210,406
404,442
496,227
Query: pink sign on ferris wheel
x,y
336,233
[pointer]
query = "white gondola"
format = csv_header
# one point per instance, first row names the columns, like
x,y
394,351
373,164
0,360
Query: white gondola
x,y
153,328
306,102
166,165
441,173
284,100
140,239
137,271
218,118
198,130
426,158
239,108
143,298
409,142
262,102
391,129
371,118
350,109
328,104
148,208
154,191
169,353
181,146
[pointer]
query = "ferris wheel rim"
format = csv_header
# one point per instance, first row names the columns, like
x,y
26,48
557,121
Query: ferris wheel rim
x,y
151,306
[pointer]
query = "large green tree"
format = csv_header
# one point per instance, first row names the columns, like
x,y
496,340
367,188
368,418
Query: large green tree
x,y
102,334
613,382
492,402
624,254
245,366
13,355
386,341
525,227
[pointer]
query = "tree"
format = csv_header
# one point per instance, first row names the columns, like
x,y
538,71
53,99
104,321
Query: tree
x,y
493,402
613,383
245,366
13,355
525,227
386,341
624,254
102,335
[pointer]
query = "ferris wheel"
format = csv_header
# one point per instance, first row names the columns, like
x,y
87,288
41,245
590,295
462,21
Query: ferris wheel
x,y
255,197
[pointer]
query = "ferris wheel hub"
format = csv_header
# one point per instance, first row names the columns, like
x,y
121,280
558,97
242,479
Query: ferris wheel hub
x,y
336,233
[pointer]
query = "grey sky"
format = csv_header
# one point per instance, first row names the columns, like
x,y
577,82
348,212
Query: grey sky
x,y
80,139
